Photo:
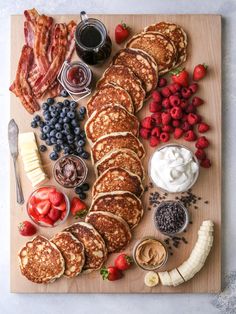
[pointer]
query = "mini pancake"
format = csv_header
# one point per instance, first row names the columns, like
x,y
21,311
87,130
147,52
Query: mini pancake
x,y
72,251
123,204
117,179
107,143
176,34
122,76
114,230
109,94
160,47
142,64
110,119
94,245
41,261
124,158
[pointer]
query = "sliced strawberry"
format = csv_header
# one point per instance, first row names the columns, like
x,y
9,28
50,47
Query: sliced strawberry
x,y
43,193
43,207
62,206
46,220
54,214
56,198
63,214
33,201
33,213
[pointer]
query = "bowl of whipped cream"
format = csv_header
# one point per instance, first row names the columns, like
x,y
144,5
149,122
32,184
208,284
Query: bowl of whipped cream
x,y
173,168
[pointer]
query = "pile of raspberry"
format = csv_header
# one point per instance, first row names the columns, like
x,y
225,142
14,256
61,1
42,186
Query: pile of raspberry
x,y
174,111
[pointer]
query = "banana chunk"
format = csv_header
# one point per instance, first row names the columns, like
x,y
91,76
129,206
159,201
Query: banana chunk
x,y
151,279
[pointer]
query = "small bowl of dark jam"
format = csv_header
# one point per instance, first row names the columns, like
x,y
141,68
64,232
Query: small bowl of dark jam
x,y
76,78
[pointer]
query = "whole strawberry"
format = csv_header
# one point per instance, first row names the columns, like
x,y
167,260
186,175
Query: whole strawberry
x,y
180,76
121,33
27,229
199,72
111,273
123,261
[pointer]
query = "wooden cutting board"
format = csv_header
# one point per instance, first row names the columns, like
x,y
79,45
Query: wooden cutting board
x,y
204,33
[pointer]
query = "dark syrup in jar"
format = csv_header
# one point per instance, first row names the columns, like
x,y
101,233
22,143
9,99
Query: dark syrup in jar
x,y
90,37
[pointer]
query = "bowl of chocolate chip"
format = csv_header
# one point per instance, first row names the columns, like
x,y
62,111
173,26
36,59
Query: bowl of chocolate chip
x,y
171,217
70,171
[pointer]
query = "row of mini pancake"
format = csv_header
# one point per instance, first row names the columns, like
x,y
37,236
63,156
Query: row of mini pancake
x,y
165,42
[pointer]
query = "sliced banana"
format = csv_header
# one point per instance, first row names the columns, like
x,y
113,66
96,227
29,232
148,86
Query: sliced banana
x,y
151,279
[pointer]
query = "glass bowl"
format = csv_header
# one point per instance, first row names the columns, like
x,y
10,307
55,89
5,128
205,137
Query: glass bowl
x,y
184,225
149,268
194,159
42,224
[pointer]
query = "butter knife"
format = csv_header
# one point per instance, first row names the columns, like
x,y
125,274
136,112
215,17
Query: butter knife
x,y
13,132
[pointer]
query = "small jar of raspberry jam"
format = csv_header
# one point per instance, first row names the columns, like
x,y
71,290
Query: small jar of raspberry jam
x,y
76,78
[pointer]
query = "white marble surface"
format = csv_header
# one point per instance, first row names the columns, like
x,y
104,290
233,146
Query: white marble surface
x,y
13,303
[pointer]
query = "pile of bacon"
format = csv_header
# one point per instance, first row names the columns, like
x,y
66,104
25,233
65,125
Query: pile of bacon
x,y
47,46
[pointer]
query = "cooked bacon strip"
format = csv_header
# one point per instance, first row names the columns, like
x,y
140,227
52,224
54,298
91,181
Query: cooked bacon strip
x,y
58,54
20,86
71,27
31,15
29,26
41,41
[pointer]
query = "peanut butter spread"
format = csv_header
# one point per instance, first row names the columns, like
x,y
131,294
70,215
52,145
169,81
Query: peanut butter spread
x,y
151,253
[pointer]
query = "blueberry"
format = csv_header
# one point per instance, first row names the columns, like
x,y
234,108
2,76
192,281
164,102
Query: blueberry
x,y
50,101
54,156
43,136
53,140
37,118
48,142
82,196
54,113
59,142
78,190
52,108
46,129
81,143
58,126
85,187
42,148
79,150
60,104
82,134
47,116
73,104
57,148
34,124
70,137
58,135
66,126
66,150
53,132
60,120
77,130
62,115
85,155
71,115
64,93
41,124
74,123
82,110
66,102
66,119
45,106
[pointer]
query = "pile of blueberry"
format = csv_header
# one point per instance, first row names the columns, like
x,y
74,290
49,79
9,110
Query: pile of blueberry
x,y
60,128
80,190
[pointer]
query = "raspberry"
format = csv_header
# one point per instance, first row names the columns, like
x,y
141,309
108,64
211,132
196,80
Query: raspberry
x,y
193,87
203,127
192,118
174,101
190,109
164,137
165,92
190,136
156,131
206,163
200,154
183,104
157,117
177,86
178,133
176,113
167,128
156,96
178,94
154,106
186,93
162,82
186,126
174,88
184,117
176,123
166,103
202,142
197,101
154,141
165,118
199,118
144,133
147,123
